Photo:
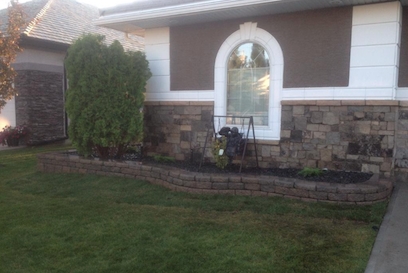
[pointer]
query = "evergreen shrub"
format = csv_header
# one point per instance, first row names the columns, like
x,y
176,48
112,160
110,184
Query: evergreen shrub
x,y
105,96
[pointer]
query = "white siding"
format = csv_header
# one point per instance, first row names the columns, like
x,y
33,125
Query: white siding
x,y
157,49
375,47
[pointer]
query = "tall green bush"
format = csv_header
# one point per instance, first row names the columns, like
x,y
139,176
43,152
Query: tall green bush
x,y
105,95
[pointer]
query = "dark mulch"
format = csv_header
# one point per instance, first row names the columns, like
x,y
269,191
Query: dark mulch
x,y
343,177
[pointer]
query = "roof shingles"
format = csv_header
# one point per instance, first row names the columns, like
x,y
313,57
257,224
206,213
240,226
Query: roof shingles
x,y
64,21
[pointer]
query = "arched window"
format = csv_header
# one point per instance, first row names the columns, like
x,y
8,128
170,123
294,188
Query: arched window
x,y
248,83
248,79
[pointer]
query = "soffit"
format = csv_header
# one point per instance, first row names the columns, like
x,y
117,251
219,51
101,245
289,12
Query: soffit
x,y
132,18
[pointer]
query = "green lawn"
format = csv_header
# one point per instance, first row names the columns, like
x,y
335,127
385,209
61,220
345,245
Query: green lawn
x,y
88,223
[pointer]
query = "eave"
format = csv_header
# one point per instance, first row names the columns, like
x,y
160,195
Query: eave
x,y
134,20
27,41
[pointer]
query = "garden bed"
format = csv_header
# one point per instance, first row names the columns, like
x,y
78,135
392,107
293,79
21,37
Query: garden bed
x,y
330,176
372,190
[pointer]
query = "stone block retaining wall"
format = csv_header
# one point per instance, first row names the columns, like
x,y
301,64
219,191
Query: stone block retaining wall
x,y
363,193
363,135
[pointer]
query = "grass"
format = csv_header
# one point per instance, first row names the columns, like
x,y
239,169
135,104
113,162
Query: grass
x,y
88,223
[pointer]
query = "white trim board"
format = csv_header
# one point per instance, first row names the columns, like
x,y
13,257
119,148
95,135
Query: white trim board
x,y
312,93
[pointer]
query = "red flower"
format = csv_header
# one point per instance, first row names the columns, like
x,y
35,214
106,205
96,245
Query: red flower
x,y
15,133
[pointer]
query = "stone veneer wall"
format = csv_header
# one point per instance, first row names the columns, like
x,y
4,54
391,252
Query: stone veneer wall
x,y
40,104
347,135
176,129
401,142
338,135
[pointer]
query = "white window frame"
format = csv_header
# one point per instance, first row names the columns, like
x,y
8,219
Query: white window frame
x,y
249,32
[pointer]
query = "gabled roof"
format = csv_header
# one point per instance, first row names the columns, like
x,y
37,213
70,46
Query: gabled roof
x,y
64,21
31,9
164,13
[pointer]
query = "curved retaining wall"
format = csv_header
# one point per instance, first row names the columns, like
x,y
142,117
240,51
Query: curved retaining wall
x,y
374,190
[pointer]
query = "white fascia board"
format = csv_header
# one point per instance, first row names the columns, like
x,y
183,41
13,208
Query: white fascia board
x,y
186,9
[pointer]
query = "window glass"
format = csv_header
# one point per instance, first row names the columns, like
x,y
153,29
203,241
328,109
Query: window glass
x,y
248,83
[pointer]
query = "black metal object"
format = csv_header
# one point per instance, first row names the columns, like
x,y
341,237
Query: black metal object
x,y
235,140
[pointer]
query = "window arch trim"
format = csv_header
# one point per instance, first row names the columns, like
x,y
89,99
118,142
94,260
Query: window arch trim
x,y
249,32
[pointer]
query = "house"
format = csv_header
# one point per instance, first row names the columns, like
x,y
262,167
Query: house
x,y
41,83
326,80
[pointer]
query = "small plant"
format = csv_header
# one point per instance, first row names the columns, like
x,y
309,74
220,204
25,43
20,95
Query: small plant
x,y
163,159
219,146
132,148
307,172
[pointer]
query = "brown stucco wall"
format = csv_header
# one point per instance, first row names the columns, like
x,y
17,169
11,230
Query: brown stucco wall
x,y
315,45
403,67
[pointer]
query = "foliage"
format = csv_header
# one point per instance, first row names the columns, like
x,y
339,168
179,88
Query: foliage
x,y
163,158
105,96
89,223
306,172
9,47
133,148
221,158
9,133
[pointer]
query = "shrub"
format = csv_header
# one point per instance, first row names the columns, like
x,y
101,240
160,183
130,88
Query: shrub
x,y
105,96
9,133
